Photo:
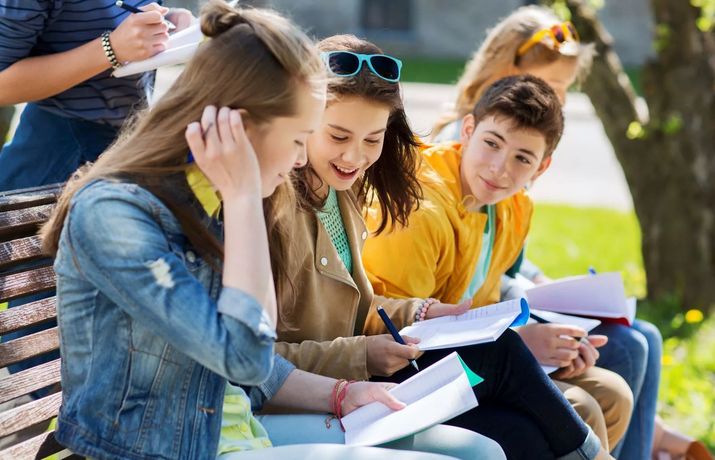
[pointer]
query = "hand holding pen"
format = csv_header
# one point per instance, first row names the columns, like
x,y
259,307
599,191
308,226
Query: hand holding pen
x,y
386,354
576,357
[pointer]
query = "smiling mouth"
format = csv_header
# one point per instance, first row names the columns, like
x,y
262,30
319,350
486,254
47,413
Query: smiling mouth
x,y
491,185
344,173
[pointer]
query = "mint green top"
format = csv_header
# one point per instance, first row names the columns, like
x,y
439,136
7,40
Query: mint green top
x,y
485,255
332,220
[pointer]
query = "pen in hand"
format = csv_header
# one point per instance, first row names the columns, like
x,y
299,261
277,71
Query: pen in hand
x,y
135,10
394,333
541,320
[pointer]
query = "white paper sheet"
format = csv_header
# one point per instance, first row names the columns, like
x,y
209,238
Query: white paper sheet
x,y
479,325
179,49
434,395
600,296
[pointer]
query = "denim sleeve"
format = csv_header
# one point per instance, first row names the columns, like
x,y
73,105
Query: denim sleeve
x,y
21,23
260,394
119,247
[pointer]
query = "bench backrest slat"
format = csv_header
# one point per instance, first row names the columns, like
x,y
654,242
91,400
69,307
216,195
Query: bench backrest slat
x,y
37,312
29,346
20,252
21,284
29,414
38,447
19,222
29,197
29,380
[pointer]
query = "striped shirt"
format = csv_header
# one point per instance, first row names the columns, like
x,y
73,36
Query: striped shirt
x,y
43,27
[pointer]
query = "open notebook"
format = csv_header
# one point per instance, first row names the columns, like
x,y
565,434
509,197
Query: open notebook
x,y
479,325
586,324
599,296
179,49
434,395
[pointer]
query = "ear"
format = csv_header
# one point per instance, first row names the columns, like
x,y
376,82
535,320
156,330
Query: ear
x,y
468,126
542,168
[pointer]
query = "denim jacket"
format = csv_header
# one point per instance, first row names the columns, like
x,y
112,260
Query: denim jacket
x,y
148,336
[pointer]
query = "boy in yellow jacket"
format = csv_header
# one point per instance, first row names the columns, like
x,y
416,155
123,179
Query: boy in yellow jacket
x,y
472,223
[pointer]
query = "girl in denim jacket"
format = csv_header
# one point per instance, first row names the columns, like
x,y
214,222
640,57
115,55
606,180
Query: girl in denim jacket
x,y
158,305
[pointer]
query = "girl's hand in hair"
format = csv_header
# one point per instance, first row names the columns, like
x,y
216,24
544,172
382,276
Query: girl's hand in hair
x,y
362,393
224,154
142,35
385,356
447,309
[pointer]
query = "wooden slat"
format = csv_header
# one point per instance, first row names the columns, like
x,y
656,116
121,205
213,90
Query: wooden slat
x,y
29,380
29,414
25,198
21,251
40,446
20,317
35,281
26,347
23,222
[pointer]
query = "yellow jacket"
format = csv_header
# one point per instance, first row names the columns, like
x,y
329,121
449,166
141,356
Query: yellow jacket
x,y
436,254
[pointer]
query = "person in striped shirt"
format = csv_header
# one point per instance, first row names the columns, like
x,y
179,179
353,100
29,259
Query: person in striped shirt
x,y
52,57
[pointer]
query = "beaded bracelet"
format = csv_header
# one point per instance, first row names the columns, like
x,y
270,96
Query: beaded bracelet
x,y
422,311
109,51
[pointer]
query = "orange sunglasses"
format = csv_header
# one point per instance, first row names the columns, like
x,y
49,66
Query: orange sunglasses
x,y
559,33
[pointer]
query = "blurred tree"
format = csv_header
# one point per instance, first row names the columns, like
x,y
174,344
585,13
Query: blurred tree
x,y
668,153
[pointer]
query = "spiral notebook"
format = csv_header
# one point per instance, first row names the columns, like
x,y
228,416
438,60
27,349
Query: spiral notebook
x,y
434,395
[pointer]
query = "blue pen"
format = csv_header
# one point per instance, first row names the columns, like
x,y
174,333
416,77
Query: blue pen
x,y
393,331
135,10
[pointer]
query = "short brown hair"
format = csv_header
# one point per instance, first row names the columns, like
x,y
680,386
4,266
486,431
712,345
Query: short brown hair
x,y
529,102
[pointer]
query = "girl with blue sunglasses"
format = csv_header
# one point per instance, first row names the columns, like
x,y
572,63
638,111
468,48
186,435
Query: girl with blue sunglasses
x,y
364,149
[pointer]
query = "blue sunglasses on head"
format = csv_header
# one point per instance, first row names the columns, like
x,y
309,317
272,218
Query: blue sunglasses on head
x,y
347,64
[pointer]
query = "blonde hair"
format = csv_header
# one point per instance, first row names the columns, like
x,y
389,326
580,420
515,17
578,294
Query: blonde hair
x,y
497,57
255,60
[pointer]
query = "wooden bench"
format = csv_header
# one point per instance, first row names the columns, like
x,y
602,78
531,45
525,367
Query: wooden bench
x,y
21,214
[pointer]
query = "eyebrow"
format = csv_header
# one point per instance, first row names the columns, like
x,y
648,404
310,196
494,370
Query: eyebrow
x,y
526,151
345,130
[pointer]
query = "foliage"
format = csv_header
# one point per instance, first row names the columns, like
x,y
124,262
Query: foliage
x,y
444,71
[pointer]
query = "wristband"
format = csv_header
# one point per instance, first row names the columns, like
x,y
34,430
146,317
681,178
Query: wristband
x,y
109,51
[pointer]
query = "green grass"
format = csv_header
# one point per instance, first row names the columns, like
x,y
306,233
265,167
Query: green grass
x,y
565,241
445,71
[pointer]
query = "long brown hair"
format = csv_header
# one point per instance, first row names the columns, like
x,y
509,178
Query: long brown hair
x,y
497,57
254,60
393,178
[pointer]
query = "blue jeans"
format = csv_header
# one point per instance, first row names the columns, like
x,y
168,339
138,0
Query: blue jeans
x,y
284,430
47,149
635,353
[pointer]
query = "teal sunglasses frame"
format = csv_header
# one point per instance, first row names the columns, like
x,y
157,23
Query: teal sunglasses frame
x,y
363,58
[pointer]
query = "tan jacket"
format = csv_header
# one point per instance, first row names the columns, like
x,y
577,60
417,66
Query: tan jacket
x,y
324,331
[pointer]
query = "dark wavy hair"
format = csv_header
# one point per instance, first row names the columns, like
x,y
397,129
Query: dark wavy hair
x,y
392,180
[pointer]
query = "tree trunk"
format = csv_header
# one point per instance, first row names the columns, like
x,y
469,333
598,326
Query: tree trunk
x,y
667,155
